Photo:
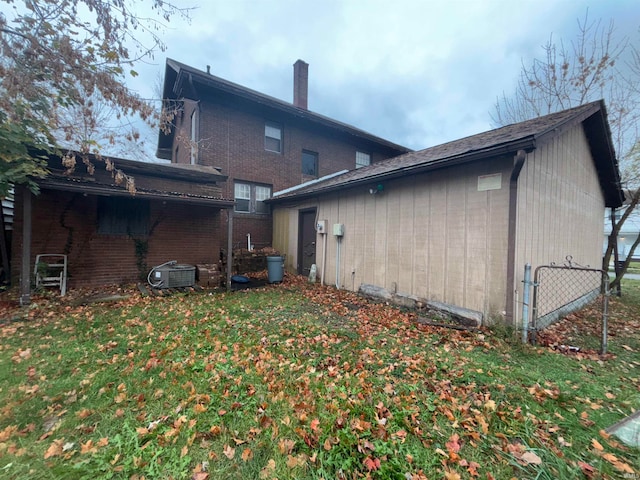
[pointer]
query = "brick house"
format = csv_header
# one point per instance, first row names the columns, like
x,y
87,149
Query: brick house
x,y
111,236
262,144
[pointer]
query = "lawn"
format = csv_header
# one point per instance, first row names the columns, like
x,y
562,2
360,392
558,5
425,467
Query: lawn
x,y
294,381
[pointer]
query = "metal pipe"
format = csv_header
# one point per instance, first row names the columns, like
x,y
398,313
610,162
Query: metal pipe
x,y
338,264
518,163
525,303
324,257
605,313
229,246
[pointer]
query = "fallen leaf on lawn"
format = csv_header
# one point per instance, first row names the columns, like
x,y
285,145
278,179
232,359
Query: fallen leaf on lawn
x,y
229,451
451,475
268,469
596,444
453,444
587,469
563,443
627,347
618,464
490,406
184,451
531,458
7,432
200,476
371,463
247,454
88,447
604,434
314,424
84,413
286,446
54,449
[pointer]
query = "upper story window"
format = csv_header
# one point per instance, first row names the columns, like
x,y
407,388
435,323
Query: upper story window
x,y
273,137
194,137
250,197
309,163
363,159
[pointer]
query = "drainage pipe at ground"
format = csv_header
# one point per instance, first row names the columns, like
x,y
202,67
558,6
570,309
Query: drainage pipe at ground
x,y
338,263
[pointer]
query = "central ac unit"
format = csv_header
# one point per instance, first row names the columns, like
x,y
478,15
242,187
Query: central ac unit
x,y
174,276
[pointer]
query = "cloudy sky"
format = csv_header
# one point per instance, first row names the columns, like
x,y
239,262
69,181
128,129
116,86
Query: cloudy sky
x,y
418,73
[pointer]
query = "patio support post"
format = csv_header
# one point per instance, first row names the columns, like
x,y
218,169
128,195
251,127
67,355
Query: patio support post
x,y
229,246
25,266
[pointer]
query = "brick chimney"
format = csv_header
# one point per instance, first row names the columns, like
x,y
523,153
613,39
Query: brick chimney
x,y
300,84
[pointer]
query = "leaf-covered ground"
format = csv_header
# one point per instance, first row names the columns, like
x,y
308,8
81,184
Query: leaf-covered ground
x,y
299,381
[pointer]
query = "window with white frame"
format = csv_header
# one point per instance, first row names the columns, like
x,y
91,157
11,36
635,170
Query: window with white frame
x,y
243,197
273,137
250,197
363,159
262,193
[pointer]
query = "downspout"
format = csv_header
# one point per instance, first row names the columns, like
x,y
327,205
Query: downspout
x,y
229,246
518,163
338,262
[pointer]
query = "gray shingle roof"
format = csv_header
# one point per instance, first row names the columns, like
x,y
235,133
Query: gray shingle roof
x,y
501,141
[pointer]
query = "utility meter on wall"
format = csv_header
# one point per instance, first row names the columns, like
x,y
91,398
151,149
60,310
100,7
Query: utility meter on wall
x,y
321,226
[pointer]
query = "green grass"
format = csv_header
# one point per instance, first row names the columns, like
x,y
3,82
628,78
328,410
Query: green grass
x,y
297,381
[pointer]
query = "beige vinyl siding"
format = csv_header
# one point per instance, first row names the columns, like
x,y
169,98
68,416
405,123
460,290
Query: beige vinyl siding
x,y
285,233
432,235
560,206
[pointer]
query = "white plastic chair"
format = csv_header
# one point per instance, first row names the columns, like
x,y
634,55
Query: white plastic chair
x,y
51,271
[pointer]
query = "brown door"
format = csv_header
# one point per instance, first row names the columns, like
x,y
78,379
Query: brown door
x,y
306,241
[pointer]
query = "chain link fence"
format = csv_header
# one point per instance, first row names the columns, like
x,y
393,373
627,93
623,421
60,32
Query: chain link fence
x,y
573,300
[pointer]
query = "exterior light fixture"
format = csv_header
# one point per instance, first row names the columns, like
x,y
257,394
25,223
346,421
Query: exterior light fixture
x,y
379,188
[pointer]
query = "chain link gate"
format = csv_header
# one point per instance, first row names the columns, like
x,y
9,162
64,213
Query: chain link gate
x,y
559,290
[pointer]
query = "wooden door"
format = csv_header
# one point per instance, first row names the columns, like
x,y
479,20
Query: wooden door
x,y
306,241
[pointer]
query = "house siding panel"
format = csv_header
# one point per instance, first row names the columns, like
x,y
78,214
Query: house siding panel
x,y
560,206
417,235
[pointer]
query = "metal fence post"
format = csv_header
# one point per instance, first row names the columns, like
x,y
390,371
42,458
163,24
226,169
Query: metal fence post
x,y
525,303
605,313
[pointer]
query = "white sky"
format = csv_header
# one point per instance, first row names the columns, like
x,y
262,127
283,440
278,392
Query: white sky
x,y
417,73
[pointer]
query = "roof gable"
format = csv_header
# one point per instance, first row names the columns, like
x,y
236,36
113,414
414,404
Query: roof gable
x,y
181,80
505,140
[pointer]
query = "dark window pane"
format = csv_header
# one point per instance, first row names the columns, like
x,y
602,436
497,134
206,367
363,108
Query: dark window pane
x,y
272,144
123,216
310,163
242,205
